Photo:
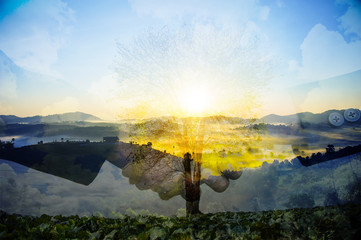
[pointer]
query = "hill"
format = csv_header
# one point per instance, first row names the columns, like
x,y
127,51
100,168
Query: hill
x,y
55,118
303,117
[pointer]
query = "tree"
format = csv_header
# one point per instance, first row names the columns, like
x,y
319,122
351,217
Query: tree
x,y
6,145
178,70
192,184
330,148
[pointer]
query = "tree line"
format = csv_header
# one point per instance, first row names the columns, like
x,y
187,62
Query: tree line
x,y
330,154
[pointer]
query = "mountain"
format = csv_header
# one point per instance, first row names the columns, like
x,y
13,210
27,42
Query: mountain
x,y
304,117
224,119
277,119
70,117
65,117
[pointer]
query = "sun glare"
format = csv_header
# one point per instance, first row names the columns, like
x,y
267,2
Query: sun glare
x,y
194,101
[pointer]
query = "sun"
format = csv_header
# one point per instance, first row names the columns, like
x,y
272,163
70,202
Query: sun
x,y
195,101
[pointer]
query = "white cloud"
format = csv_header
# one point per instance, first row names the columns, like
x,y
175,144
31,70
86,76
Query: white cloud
x,y
110,191
35,32
68,104
326,54
351,20
19,193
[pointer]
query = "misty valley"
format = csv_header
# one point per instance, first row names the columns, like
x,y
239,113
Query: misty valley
x,y
68,164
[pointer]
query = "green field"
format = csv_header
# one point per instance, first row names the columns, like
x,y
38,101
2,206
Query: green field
x,y
335,222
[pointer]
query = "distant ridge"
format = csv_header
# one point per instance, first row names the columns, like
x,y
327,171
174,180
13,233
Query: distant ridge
x,y
297,118
303,117
65,117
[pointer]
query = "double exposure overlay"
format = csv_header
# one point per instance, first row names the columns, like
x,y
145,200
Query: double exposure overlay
x,y
139,107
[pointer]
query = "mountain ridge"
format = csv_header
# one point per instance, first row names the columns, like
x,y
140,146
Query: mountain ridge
x,y
300,117
296,118
53,118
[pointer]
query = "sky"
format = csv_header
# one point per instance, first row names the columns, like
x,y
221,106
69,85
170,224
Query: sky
x,y
137,59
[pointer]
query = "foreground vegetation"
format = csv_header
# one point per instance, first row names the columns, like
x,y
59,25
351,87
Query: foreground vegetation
x,y
334,222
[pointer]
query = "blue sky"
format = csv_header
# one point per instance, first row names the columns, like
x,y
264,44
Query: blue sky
x,y
74,43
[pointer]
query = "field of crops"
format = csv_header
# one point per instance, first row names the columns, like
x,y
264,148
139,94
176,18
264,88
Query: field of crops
x,y
335,222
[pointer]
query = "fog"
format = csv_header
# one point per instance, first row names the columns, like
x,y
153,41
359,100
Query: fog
x,y
276,185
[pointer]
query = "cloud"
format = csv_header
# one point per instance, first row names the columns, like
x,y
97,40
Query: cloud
x,y
335,93
350,21
34,33
68,104
326,54
272,184
36,193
